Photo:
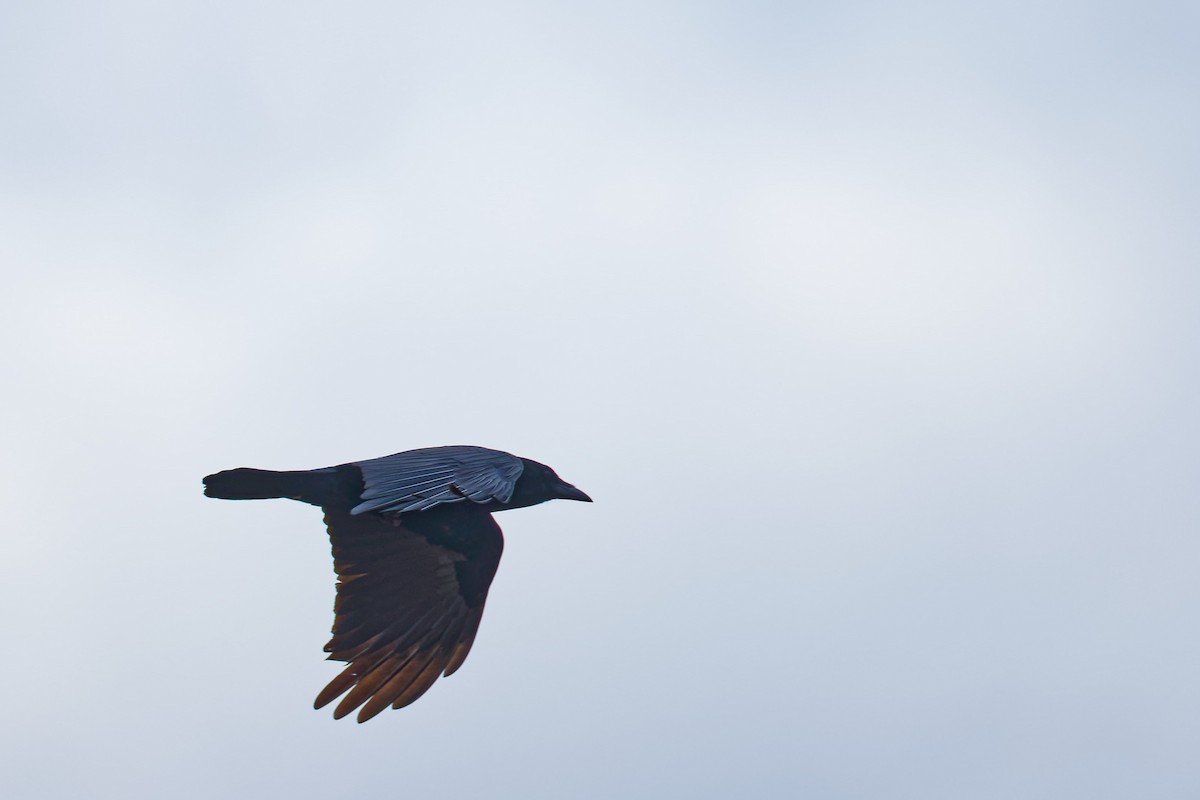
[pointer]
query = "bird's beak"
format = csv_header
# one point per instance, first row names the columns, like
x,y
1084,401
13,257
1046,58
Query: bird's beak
x,y
568,492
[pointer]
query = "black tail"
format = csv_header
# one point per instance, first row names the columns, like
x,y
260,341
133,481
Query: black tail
x,y
313,486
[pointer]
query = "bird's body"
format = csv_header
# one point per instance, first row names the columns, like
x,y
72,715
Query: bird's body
x,y
415,549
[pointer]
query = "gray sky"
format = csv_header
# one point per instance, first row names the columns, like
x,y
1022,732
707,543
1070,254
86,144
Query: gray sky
x,y
872,329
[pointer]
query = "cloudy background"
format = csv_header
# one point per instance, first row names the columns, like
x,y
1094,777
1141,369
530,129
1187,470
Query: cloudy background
x,y
872,328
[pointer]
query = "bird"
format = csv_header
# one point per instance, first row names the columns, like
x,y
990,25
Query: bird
x,y
415,548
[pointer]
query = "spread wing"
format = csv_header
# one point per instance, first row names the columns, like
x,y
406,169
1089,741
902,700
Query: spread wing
x,y
420,479
410,596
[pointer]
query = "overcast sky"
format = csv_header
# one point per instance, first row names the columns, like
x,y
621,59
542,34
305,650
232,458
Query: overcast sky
x,y
871,328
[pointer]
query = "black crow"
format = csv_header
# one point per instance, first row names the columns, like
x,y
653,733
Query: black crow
x,y
415,549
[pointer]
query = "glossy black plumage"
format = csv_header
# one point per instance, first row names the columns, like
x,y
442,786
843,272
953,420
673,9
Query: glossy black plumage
x,y
415,549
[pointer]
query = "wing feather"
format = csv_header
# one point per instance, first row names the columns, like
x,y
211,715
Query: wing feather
x,y
410,597
419,479
417,675
463,647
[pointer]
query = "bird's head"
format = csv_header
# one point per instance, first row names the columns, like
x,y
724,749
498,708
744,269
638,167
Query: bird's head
x,y
538,483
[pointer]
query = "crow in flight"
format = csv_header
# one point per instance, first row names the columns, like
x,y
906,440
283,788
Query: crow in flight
x,y
415,549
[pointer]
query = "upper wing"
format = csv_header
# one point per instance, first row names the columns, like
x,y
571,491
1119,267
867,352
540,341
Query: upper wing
x,y
410,596
419,479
